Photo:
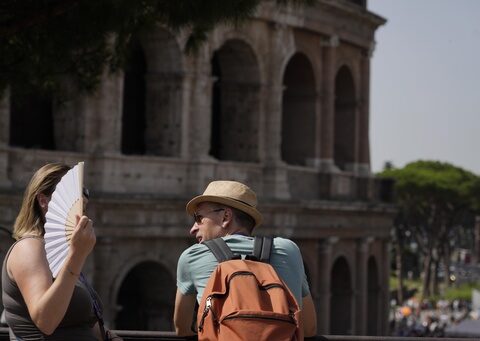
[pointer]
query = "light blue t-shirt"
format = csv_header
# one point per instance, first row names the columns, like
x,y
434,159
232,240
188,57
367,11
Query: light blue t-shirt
x,y
197,263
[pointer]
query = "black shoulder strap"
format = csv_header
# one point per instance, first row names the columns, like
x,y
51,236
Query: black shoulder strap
x,y
97,308
262,248
220,249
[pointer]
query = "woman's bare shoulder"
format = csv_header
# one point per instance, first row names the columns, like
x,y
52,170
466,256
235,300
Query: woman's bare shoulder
x,y
29,251
29,244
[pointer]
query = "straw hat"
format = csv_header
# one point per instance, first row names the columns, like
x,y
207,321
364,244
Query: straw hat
x,y
229,193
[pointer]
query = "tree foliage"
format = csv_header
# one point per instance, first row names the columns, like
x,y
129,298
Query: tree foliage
x,y
43,40
437,204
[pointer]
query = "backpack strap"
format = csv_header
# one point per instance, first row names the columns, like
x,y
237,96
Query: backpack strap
x,y
220,249
222,253
262,247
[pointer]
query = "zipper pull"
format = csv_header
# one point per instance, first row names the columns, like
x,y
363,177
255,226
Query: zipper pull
x,y
208,305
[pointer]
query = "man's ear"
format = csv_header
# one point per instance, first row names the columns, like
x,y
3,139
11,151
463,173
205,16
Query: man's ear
x,y
227,217
43,200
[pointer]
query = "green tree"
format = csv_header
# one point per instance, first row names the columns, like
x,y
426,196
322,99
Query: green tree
x,y
42,41
436,203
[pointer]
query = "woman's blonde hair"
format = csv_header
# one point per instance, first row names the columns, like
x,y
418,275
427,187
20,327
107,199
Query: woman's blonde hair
x,y
30,219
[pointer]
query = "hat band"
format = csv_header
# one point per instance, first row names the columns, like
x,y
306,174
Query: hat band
x,y
241,201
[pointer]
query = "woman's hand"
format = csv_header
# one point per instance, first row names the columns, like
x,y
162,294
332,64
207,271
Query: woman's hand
x,y
82,243
83,238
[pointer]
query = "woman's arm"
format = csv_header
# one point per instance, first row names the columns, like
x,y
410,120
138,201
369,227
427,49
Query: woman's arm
x,y
47,300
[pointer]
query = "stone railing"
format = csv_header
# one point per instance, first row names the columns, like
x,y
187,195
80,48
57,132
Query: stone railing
x,y
138,335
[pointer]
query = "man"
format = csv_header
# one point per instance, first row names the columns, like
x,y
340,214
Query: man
x,y
227,209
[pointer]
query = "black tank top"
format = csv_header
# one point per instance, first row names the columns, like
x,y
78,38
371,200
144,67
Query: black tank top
x,y
76,324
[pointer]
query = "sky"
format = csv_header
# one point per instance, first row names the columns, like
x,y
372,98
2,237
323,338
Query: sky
x,y
425,83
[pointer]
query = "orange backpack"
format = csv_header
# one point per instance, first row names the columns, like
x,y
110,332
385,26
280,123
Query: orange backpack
x,y
245,299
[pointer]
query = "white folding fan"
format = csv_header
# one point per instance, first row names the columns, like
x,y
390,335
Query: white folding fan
x,y
65,204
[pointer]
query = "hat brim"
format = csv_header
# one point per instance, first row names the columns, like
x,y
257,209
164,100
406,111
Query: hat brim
x,y
251,211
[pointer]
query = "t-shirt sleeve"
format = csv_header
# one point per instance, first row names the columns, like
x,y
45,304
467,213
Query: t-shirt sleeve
x,y
296,269
305,286
184,277
301,270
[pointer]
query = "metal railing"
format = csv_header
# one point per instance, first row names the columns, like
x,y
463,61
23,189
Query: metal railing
x,y
140,335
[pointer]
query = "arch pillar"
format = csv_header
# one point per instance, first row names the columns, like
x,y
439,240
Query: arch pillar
x,y
384,290
361,285
325,144
282,38
101,132
317,161
363,161
273,124
200,122
69,119
322,290
275,177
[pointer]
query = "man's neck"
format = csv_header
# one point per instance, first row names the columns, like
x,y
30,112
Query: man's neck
x,y
238,231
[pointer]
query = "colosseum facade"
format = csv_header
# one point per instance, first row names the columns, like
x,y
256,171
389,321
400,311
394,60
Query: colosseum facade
x,y
280,102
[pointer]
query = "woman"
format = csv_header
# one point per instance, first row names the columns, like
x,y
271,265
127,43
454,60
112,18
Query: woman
x,y
38,307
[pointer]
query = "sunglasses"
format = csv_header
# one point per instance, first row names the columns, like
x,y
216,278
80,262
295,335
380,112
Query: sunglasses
x,y
199,217
86,192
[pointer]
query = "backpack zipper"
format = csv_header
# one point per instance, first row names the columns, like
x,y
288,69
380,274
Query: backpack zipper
x,y
208,306
270,286
239,273
266,287
291,320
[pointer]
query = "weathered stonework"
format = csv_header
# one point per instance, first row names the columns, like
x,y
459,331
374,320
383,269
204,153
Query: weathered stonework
x,y
298,69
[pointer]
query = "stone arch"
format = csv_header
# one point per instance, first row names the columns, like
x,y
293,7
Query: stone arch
x,y
298,111
163,83
235,103
146,298
163,52
373,299
341,298
133,109
344,122
31,120
229,34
